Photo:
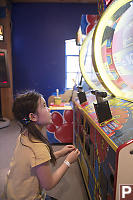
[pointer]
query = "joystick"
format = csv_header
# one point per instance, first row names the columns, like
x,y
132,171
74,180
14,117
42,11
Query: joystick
x,y
81,95
102,107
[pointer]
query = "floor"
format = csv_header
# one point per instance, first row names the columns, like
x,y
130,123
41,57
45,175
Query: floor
x,y
70,187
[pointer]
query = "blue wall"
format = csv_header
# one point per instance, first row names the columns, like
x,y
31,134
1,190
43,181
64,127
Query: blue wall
x,y
39,32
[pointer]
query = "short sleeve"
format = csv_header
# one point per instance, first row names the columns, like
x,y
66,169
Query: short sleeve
x,y
40,154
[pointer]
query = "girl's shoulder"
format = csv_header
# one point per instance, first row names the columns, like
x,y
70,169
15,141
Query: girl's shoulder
x,y
37,151
33,143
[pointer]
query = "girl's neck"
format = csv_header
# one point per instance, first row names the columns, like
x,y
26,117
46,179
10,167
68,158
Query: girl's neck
x,y
39,127
42,130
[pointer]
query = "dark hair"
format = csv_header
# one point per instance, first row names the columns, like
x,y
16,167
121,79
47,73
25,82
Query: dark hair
x,y
25,104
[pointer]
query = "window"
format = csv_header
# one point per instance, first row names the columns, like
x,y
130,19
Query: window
x,y
72,72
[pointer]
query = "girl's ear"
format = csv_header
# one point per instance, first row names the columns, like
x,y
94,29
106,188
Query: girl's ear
x,y
33,117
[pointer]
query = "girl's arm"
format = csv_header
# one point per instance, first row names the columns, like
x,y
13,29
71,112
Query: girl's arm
x,y
58,154
49,179
64,151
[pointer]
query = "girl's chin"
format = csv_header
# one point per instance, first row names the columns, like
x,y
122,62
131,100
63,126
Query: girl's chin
x,y
45,123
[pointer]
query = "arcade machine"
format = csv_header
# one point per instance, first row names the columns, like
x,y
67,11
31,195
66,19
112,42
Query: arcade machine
x,y
103,125
4,83
60,130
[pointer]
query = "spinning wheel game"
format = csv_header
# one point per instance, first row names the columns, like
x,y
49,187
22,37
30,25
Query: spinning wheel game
x,y
113,48
106,61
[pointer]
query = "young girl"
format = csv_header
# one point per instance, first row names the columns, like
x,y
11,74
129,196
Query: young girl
x,y
30,170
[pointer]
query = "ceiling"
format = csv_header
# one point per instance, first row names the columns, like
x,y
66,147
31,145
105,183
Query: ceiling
x,y
54,1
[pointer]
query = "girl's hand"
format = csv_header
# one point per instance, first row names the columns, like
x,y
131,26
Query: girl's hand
x,y
72,157
67,149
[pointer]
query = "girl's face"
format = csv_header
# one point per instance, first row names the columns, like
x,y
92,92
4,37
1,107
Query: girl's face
x,y
43,114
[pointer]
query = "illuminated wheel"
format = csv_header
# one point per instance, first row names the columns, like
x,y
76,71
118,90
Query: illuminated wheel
x,y
113,49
